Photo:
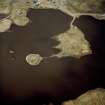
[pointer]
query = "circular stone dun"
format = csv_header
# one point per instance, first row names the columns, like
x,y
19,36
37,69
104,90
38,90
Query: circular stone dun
x,y
34,59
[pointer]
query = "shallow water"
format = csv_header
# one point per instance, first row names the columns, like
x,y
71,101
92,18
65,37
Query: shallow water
x,y
54,79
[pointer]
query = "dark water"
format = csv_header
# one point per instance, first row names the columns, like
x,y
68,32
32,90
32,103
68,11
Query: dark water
x,y
55,80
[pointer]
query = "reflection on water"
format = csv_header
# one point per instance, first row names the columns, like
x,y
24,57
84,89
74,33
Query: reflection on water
x,y
55,79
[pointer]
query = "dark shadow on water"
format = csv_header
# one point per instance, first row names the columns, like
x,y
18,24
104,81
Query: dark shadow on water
x,y
55,80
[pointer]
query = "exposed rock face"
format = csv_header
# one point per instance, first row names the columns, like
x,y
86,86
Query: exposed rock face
x,y
34,59
77,7
72,43
5,25
93,97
